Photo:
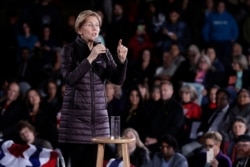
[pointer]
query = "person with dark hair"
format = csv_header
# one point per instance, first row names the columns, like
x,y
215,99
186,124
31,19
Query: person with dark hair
x,y
241,108
215,121
175,30
27,134
133,114
168,156
242,151
209,103
239,127
41,115
221,30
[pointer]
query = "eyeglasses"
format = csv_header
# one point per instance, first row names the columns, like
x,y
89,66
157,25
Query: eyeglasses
x,y
92,25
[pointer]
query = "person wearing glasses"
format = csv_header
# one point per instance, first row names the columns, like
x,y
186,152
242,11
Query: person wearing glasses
x,y
168,155
86,66
212,148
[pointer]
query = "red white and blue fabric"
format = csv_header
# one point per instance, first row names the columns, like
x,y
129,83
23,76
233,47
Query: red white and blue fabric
x,y
17,155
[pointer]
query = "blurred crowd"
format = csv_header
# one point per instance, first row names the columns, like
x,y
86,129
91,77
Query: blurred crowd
x,y
188,71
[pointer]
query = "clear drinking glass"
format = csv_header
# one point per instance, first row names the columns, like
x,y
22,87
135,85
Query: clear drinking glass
x,y
115,127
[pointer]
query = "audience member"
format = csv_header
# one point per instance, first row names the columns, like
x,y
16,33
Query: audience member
x,y
221,30
117,27
168,155
144,68
165,71
215,121
241,108
175,30
27,134
44,12
25,67
186,67
209,103
237,77
114,106
41,116
192,110
11,112
213,140
138,152
239,127
134,113
27,38
242,151
167,118
216,63
139,40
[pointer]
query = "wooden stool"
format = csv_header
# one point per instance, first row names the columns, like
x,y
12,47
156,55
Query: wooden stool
x,y
101,141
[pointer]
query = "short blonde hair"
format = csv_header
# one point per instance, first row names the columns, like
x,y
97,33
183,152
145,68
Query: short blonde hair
x,y
82,16
216,136
139,143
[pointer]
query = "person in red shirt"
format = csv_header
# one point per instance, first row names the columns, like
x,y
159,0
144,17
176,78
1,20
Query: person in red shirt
x,y
192,110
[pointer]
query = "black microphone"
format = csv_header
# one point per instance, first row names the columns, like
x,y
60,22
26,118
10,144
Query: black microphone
x,y
108,56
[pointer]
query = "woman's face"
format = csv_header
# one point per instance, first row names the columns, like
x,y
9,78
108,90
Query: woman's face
x,y
174,50
185,96
130,134
212,95
203,65
52,89
243,98
211,54
146,56
239,128
134,97
212,144
156,94
33,97
13,92
89,31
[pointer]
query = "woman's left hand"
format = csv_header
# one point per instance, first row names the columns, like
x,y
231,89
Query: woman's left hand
x,y
122,51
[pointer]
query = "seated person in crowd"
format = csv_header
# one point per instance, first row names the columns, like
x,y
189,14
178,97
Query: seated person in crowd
x,y
138,152
215,121
212,140
168,156
242,151
166,118
239,127
27,135
241,108
192,110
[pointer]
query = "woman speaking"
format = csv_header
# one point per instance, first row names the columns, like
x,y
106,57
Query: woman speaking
x,y
86,65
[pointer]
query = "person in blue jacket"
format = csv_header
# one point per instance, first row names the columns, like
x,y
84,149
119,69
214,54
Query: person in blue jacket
x,y
221,30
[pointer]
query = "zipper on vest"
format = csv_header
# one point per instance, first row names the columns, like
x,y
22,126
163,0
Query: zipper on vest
x,y
92,101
